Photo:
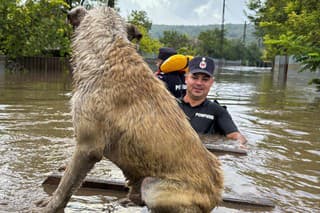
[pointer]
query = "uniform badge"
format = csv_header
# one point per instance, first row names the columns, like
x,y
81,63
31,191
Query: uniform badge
x,y
203,63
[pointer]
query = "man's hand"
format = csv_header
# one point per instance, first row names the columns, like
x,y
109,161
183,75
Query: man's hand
x,y
238,137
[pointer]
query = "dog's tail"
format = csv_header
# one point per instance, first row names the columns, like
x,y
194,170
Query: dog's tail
x,y
165,195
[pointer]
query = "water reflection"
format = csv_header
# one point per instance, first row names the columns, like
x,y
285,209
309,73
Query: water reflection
x,y
281,123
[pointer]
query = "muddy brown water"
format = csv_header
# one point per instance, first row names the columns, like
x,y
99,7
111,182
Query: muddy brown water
x,y
281,122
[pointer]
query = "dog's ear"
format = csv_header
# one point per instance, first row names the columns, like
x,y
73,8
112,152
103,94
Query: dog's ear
x,y
133,32
76,15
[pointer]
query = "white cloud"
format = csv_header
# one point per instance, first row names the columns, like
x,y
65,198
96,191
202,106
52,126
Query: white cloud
x,y
187,12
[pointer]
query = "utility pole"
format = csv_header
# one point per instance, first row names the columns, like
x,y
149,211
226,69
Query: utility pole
x,y
244,32
111,3
222,30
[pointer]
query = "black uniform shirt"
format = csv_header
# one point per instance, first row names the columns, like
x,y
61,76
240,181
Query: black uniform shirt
x,y
209,118
174,82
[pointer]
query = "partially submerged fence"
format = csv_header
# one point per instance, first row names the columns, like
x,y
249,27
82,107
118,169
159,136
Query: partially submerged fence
x,y
43,64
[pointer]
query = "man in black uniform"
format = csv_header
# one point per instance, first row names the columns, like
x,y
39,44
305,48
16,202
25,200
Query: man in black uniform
x,y
206,117
175,80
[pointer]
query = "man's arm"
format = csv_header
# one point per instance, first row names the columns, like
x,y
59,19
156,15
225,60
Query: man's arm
x,y
238,137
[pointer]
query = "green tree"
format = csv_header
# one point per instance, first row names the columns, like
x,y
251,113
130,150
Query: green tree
x,y
6,8
140,18
187,51
147,44
210,43
253,54
234,50
31,28
181,42
289,27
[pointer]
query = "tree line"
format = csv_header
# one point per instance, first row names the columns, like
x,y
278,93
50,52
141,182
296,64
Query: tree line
x,y
33,28
289,27
37,27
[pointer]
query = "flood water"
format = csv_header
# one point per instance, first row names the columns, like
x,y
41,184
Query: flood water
x,y
281,122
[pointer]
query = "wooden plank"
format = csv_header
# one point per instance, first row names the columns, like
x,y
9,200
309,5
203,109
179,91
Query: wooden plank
x,y
97,183
90,182
225,149
253,201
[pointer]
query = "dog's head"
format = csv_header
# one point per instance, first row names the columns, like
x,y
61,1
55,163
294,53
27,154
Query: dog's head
x,y
77,14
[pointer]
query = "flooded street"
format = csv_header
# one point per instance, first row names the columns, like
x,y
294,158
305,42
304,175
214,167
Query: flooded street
x,y
281,122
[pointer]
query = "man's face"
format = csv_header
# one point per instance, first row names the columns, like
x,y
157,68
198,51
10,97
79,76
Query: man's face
x,y
198,85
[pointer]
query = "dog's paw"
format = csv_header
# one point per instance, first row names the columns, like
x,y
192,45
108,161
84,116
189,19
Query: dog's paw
x,y
35,210
62,168
126,202
42,202
39,206
110,208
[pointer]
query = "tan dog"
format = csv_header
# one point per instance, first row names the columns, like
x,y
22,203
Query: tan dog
x,y
121,111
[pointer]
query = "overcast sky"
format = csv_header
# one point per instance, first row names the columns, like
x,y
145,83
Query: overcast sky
x,y
187,12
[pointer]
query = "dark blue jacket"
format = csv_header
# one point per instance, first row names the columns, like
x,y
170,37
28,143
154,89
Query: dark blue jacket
x,y
209,118
175,82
